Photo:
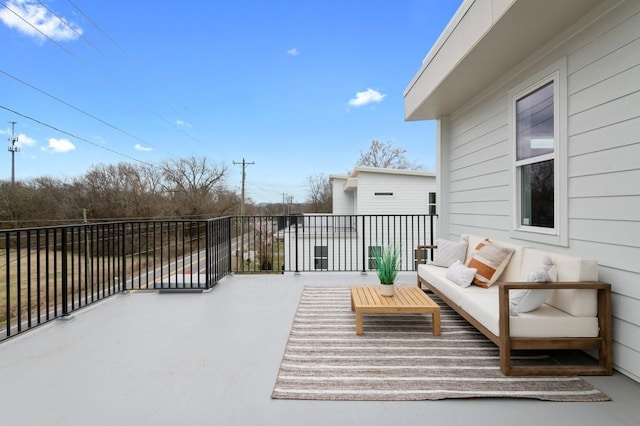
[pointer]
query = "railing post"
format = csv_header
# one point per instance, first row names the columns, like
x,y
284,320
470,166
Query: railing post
x,y
230,241
123,254
431,234
364,251
7,247
65,283
297,253
207,256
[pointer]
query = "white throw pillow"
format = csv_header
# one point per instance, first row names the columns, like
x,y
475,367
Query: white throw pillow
x,y
460,274
449,251
530,299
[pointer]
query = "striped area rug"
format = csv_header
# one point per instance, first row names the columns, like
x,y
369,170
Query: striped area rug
x,y
398,359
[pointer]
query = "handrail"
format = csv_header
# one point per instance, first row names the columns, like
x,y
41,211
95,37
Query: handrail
x,y
50,272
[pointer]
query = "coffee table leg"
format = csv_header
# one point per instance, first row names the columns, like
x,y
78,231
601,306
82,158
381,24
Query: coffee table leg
x,y
358,323
435,320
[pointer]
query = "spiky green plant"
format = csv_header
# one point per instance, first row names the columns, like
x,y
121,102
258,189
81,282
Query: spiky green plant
x,y
387,264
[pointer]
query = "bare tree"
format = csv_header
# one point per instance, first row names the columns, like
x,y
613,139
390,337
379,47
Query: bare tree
x,y
386,155
319,196
116,191
192,182
186,188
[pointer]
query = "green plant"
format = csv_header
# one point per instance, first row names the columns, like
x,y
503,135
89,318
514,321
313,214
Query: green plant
x,y
388,264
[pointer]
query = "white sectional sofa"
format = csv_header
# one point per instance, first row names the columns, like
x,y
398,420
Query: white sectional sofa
x,y
576,315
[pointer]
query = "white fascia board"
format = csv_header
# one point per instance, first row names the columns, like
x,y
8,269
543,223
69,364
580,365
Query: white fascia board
x,y
483,41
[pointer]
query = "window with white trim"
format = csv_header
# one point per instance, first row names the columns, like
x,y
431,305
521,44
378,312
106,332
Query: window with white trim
x,y
538,123
535,157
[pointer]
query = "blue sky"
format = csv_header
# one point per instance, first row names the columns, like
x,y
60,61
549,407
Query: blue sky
x,y
297,88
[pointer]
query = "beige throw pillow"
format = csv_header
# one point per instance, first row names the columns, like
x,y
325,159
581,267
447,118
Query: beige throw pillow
x,y
448,252
490,259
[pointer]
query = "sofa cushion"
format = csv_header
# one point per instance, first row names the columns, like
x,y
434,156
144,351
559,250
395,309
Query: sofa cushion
x,y
436,276
526,300
579,303
449,251
490,259
546,321
460,274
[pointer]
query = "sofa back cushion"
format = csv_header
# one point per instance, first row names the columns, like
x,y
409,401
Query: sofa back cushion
x,y
579,303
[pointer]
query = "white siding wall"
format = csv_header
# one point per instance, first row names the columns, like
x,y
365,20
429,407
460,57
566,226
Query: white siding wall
x,y
603,61
410,193
343,201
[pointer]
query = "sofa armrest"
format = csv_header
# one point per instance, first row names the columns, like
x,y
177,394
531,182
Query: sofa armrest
x,y
604,301
419,250
603,343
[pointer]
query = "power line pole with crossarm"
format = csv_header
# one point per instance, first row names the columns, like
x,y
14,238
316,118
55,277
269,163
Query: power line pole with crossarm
x,y
244,178
13,149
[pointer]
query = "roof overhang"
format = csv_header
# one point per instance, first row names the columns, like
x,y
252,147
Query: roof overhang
x,y
351,184
482,42
351,180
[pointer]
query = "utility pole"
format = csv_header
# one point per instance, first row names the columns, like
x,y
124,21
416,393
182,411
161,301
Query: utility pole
x,y
13,149
244,178
284,207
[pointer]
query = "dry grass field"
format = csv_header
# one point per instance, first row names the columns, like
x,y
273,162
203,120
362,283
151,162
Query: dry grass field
x,y
35,286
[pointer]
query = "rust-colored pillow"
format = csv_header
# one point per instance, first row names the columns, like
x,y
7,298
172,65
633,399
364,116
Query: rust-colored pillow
x,y
490,259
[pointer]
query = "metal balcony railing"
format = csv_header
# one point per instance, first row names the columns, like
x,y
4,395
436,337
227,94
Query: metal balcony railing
x,y
47,273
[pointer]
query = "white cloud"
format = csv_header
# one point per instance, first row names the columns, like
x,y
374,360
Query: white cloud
x,y
139,147
33,19
369,96
182,123
293,52
24,140
61,145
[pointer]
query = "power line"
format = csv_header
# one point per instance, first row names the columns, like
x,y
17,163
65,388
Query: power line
x,y
43,34
112,40
76,137
181,130
104,33
79,34
80,110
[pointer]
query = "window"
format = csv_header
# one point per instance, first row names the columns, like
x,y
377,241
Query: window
x,y
374,251
535,157
432,203
538,111
321,257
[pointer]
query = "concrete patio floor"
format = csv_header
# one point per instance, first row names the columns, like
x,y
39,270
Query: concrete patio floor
x,y
148,358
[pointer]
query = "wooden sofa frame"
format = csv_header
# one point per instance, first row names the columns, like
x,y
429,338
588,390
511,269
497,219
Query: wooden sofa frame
x,y
602,343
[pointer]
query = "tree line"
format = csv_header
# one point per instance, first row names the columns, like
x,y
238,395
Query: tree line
x,y
190,188
186,188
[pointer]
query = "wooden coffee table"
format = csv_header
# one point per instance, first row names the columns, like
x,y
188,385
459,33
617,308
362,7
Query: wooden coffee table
x,y
406,300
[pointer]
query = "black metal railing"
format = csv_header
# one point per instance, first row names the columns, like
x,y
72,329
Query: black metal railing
x,y
326,242
47,273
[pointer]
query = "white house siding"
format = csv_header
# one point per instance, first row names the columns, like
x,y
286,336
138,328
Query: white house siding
x,y
343,252
410,194
343,201
603,73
